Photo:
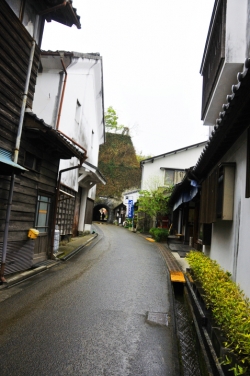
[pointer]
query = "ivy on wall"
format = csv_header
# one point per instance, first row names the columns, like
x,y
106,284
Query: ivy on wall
x,y
119,165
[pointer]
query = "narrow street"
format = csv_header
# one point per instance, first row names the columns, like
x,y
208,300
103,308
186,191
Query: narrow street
x,y
88,315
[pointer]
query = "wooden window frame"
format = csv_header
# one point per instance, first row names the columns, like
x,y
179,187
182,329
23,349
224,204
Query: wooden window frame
x,y
41,211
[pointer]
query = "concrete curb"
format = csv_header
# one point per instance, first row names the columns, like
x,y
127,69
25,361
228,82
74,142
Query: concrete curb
x,y
29,273
24,275
78,249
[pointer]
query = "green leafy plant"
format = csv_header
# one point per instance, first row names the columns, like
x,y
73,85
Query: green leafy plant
x,y
159,234
154,202
129,222
111,120
229,305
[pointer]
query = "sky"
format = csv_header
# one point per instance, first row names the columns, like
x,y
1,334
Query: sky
x,y
152,52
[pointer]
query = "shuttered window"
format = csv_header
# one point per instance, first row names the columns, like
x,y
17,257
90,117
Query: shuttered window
x,y
208,198
217,194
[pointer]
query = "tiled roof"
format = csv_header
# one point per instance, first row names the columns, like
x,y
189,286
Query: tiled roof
x,y
151,159
61,11
66,147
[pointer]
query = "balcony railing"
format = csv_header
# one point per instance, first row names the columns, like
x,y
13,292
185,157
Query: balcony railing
x,y
214,53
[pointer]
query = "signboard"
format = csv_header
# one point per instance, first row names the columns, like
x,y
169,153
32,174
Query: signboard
x,y
130,209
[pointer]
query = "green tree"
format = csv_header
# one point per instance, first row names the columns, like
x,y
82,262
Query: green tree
x,y
154,203
141,157
111,120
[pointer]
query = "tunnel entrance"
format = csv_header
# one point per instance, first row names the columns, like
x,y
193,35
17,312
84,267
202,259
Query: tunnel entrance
x,y
101,213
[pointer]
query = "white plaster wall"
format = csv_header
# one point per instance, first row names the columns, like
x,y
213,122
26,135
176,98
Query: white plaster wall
x,y
92,193
84,83
134,195
236,20
222,244
235,54
81,224
31,20
231,239
227,78
153,176
46,96
81,86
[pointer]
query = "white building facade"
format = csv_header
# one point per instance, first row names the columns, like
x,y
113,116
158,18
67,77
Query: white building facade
x,y
169,168
69,97
223,167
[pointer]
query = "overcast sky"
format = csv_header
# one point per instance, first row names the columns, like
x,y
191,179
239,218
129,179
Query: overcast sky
x,y
152,51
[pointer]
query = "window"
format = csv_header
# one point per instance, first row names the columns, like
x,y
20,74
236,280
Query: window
x,y
15,6
225,191
78,112
31,162
169,177
208,198
92,139
205,233
172,176
42,213
217,194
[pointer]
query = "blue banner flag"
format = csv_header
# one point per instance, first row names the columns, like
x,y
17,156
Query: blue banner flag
x,y
130,209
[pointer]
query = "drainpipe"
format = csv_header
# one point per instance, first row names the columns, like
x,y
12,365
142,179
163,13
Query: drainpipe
x,y
74,142
63,90
16,153
56,202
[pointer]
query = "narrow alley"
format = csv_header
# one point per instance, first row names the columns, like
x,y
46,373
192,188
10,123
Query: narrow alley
x,y
89,315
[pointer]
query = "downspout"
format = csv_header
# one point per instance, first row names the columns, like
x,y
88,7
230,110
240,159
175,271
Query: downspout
x,y
63,90
16,153
66,169
56,202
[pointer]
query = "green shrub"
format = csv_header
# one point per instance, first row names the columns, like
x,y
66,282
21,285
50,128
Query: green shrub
x,y
159,234
129,222
83,233
230,307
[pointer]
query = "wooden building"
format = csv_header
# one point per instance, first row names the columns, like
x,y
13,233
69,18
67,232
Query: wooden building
x,y
29,149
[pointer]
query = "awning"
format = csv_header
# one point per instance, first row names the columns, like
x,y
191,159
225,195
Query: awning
x,y
7,166
186,196
89,175
60,145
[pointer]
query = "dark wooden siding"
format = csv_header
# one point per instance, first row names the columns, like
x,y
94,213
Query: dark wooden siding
x,y
77,211
15,46
19,255
26,189
208,198
89,211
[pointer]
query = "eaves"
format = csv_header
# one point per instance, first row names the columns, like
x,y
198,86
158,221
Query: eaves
x,y
62,146
151,159
231,123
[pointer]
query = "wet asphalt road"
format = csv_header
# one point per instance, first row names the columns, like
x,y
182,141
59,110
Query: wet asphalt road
x,y
87,316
